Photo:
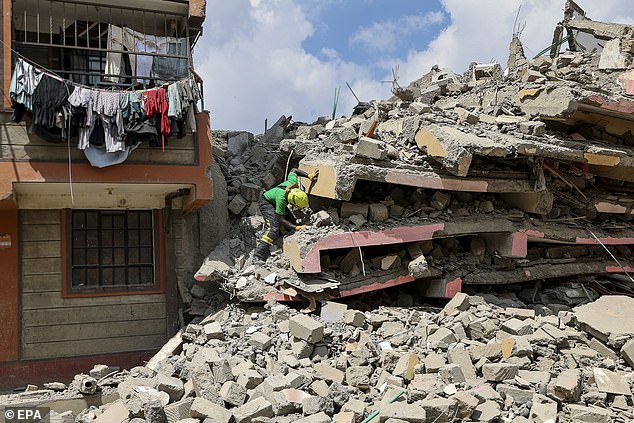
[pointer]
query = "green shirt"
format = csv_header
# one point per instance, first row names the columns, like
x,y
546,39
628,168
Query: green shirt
x,y
277,194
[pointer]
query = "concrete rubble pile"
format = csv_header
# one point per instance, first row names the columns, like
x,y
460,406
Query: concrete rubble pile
x,y
470,361
487,178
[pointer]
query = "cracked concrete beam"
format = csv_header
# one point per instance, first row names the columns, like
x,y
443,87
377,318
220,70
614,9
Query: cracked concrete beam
x,y
508,238
337,180
543,271
603,30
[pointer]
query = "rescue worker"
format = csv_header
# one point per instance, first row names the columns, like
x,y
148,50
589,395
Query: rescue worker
x,y
273,207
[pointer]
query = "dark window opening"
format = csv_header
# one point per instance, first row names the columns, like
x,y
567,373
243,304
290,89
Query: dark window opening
x,y
113,251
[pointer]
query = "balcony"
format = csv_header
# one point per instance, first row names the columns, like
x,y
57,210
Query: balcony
x,y
83,42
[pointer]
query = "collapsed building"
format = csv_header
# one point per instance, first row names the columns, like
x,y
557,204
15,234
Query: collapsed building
x,y
489,177
457,182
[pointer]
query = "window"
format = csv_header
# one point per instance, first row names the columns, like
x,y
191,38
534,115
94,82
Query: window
x,y
112,251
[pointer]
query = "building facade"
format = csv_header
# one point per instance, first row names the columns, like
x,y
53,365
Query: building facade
x,y
91,252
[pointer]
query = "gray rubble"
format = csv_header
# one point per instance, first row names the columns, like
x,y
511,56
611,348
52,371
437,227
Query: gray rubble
x,y
275,364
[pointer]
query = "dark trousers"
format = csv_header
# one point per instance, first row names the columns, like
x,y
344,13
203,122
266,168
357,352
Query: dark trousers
x,y
271,229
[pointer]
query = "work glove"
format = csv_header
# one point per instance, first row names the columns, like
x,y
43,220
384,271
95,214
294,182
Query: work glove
x,y
313,176
299,228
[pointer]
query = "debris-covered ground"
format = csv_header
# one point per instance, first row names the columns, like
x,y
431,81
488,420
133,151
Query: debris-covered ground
x,y
507,191
469,361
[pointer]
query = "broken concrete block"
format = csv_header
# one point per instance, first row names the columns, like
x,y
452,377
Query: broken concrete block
x,y
439,409
332,312
543,410
451,373
567,386
303,327
250,191
358,220
467,404
203,408
465,115
390,262
260,341
405,366
611,382
116,412
237,204
173,386
532,128
463,359
520,396
379,212
488,411
101,370
350,260
250,379
594,414
497,372
321,218
412,413
440,200
327,372
358,376
418,267
442,335
371,148
446,146
434,362
354,318
314,405
350,209
213,330
419,108
233,393
627,352
258,407
460,302
518,327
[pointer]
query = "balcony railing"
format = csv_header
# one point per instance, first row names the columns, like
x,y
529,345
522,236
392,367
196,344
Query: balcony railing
x,y
74,38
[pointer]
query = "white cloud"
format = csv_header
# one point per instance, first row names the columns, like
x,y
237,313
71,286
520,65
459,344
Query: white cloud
x,y
384,36
255,67
481,30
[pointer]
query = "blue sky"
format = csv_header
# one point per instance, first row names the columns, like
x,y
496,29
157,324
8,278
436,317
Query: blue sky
x,y
264,58
366,32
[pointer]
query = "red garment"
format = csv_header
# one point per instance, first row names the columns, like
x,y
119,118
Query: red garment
x,y
156,102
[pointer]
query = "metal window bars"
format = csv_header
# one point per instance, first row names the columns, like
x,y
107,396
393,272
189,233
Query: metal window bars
x,y
78,27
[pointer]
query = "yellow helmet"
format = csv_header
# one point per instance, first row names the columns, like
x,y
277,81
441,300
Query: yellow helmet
x,y
298,198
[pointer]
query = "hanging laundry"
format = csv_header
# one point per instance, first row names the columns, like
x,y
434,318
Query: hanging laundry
x,y
80,100
24,81
155,103
144,62
99,157
104,105
130,104
114,63
48,99
175,101
166,69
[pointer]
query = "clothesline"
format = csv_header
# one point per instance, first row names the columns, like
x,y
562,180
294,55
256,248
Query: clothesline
x,y
44,70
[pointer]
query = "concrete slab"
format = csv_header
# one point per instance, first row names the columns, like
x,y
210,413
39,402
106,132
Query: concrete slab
x,y
609,315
